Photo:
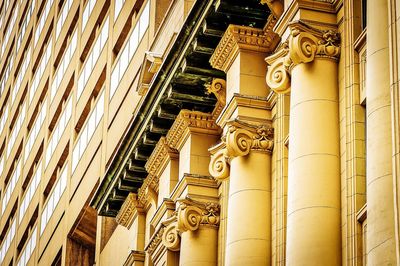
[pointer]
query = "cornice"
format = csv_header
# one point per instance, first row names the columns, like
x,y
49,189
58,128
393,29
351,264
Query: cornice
x,y
135,256
243,101
165,208
188,186
190,121
147,193
238,38
126,214
291,13
155,240
159,158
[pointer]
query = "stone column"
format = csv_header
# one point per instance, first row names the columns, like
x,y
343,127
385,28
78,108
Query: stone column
x,y
198,225
313,221
248,152
380,206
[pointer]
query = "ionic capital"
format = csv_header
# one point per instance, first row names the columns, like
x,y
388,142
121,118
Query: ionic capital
x,y
303,45
170,236
241,138
192,214
219,165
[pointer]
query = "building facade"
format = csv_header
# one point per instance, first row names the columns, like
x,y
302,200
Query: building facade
x,y
189,132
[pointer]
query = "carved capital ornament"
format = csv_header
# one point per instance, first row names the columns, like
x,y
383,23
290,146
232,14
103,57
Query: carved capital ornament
x,y
192,214
303,46
170,236
240,139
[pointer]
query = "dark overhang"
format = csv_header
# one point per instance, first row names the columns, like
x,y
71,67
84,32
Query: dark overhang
x,y
179,84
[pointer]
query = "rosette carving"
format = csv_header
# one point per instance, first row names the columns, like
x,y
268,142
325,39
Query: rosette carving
x,y
219,167
192,214
242,137
170,237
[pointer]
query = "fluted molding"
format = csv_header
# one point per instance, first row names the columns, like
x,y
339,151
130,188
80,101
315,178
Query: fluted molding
x,y
191,214
238,38
126,214
304,44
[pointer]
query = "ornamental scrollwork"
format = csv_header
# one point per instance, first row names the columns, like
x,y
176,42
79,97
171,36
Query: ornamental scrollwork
x,y
219,165
243,138
192,214
170,236
303,45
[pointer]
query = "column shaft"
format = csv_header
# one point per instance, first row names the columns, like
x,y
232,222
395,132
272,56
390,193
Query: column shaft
x,y
380,205
199,247
313,223
249,210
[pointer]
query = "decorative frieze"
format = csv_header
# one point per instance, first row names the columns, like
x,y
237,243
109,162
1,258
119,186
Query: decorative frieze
x,y
304,44
126,214
241,38
191,214
188,121
161,154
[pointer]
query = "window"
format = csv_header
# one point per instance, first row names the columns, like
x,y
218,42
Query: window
x,y
17,127
6,75
53,199
364,14
21,74
3,118
9,30
63,16
40,71
118,7
25,23
130,48
42,20
30,246
92,59
62,67
59,130
86,12
11,185
7,240
88,131
35,129
30,191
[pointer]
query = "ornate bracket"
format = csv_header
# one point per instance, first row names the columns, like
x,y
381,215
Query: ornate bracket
x,y
170,236
304,44
192,214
